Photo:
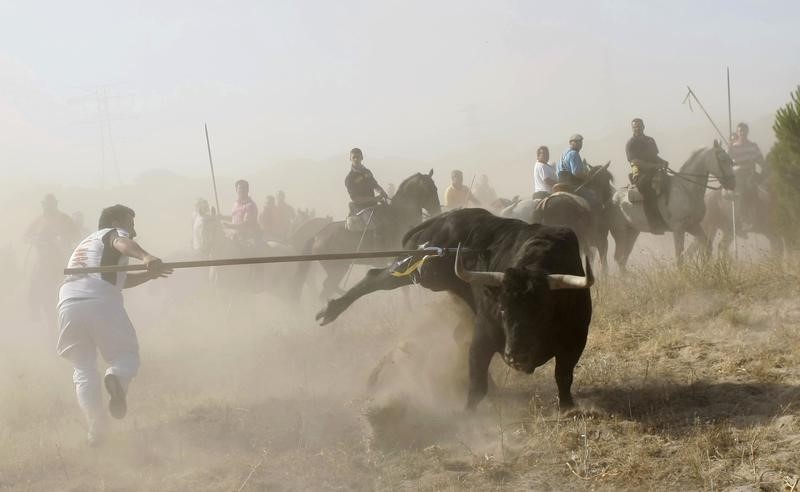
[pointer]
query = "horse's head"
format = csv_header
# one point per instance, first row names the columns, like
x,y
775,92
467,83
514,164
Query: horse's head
x,y
420,190
602,182
719,164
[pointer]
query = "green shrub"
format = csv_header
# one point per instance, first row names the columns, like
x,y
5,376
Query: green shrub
x,y
784,162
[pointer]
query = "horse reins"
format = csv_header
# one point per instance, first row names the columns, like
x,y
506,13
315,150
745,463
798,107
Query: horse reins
x,y
686,176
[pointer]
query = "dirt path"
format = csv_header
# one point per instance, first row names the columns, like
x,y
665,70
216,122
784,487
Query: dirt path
x,y
681,387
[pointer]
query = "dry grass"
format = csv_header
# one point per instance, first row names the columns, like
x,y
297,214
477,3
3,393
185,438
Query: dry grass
x,y
690,381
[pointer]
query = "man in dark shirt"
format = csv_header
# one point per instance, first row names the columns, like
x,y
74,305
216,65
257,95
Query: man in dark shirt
x,y
361,185
642,153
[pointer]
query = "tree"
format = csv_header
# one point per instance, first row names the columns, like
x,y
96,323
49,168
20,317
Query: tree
x,y
784,161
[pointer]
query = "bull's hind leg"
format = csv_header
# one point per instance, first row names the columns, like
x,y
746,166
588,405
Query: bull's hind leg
x,y
376,279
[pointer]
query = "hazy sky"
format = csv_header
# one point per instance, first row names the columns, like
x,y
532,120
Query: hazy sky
x,y
447,83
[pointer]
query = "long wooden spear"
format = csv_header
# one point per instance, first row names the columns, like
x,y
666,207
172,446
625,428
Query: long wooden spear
x,y
433,251
211,162
692,95
733,202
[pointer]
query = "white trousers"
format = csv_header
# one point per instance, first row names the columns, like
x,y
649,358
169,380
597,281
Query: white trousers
x,y
89,325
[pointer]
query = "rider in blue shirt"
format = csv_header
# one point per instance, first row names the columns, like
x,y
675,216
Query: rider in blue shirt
x,y
571,169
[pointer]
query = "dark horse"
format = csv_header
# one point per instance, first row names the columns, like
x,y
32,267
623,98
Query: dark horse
x,y
589,223
415,194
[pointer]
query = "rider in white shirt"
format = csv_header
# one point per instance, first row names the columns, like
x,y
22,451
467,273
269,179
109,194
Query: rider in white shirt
x,y
92,317
544,174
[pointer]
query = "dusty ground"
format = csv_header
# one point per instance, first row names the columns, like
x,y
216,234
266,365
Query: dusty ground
x,y
690,380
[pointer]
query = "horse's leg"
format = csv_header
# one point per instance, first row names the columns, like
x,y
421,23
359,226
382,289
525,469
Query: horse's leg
x,y
631,235
678,238
724,248
619,241
711,237
701,239
376,279
601,243
334,272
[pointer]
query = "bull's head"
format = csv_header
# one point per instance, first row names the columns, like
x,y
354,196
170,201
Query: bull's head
x,y
525,303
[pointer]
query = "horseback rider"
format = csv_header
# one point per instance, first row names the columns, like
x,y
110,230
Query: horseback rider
x,y
362,187
571,168
642,153
746,157
458,195
544,176
573,173
244,216
484,193
202,212
284,216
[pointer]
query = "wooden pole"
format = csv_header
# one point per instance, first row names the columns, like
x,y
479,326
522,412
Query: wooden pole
x,y
211,162
733,202
265,259
719,132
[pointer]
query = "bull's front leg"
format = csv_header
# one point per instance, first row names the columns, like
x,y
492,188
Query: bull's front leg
x,y
480,355
376,279
565,367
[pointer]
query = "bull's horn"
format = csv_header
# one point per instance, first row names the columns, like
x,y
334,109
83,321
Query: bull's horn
x,y
480,278
559,281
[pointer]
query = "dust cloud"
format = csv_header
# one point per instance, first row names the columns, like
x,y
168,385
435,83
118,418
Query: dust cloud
x,y
241,391
229,376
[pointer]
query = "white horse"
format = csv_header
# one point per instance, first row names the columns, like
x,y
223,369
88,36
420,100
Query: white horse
x,y
681,205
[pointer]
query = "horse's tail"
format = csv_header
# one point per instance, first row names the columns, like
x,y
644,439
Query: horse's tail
x,y
302,269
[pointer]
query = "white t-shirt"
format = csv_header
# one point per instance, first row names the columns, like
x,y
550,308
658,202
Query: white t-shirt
x,y
94,251
542,170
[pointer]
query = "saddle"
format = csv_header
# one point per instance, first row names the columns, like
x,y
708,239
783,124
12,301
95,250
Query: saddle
x,y
563,187
658,182
579,200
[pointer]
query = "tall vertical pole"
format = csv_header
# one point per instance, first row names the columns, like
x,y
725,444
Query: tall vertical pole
x,y
211,162
730,120
733,202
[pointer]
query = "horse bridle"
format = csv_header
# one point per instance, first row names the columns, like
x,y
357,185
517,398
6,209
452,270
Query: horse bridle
x,y
686,176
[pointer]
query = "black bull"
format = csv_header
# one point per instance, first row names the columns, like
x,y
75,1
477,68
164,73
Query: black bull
x,y
524,282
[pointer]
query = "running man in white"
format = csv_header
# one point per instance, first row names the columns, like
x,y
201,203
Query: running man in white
x,y
91,317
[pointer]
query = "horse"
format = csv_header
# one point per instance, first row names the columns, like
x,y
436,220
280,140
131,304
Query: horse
x,y
249,279
306,230
570,210
416,194
681,205
758,216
